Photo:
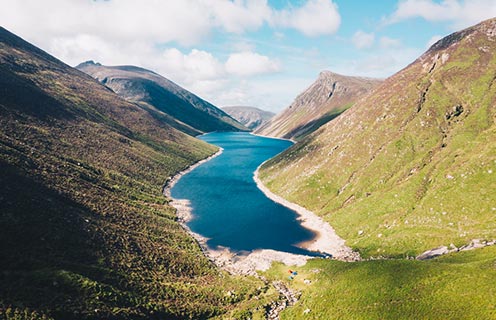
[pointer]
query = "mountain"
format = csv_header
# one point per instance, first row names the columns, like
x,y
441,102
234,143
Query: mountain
x,y
412,166
85,230
250,117
325,99
183,110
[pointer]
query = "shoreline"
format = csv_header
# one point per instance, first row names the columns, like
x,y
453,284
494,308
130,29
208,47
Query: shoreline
x,y
326,240
221,257
277,138
248,263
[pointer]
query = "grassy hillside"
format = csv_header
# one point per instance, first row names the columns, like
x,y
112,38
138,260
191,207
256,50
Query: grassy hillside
x,y
458,286
85,230
411,167
329,96
177,106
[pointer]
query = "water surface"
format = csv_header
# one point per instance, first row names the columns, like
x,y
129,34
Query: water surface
x,y
227,206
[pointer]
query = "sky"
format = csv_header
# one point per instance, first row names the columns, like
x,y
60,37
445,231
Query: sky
x,y
259,53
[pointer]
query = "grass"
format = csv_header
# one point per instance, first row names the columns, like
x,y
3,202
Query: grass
x,y
457,286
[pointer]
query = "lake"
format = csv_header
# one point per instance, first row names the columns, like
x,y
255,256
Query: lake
x,y
227,207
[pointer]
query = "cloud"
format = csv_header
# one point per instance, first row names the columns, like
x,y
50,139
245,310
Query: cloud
x,y
187,22
363,40
124,20
269,93
462,13
383,63
387,42
250,63
314,18
239,16
197,64
166,36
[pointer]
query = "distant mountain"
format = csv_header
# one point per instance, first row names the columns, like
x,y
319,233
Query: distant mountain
x,y
324,100
412,166
250,117
185,111
85,232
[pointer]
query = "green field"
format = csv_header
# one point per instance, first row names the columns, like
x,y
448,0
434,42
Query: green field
x,y
456,286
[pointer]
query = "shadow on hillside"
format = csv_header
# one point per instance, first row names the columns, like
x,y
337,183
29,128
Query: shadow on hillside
x,y
306,129
21,94
48,247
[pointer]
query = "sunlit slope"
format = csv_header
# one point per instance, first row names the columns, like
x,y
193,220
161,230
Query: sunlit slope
x,y
413,166
458,286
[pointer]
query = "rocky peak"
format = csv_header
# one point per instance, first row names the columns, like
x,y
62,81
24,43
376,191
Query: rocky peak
x,y
87,64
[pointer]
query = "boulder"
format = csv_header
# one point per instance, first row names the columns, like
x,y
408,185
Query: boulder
x,y
433,253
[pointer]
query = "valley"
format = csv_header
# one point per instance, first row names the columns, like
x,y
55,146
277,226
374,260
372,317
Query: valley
x,y
125,196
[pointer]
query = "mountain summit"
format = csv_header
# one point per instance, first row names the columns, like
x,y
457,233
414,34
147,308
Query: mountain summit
x,y
186,111
250,117
325,99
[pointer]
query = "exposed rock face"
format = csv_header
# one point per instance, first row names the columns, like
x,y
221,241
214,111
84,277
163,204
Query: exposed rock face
x,y
414,161
250,117
474,244
325,99
433,253
183,109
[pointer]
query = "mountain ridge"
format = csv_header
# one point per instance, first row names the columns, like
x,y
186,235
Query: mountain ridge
x,y
184,110
250,117
322,101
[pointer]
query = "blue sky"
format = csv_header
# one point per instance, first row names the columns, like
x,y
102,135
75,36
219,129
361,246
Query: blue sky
x,y
243,52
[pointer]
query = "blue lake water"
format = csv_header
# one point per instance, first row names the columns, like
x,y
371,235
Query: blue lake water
x,y
227,206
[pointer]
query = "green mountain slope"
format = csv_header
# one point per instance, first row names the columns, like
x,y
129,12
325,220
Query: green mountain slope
x,y
456,286
324,100
183,110
85,230
411,167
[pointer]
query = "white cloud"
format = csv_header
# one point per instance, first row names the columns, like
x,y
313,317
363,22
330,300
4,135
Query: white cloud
x,y
387,42
363,40
382,63
197,64
124,20
131,32
272,94
186,22
239,16
314,18
250,63
462,13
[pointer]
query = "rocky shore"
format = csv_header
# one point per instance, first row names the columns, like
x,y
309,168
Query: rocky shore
x,y
326,241
260,260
